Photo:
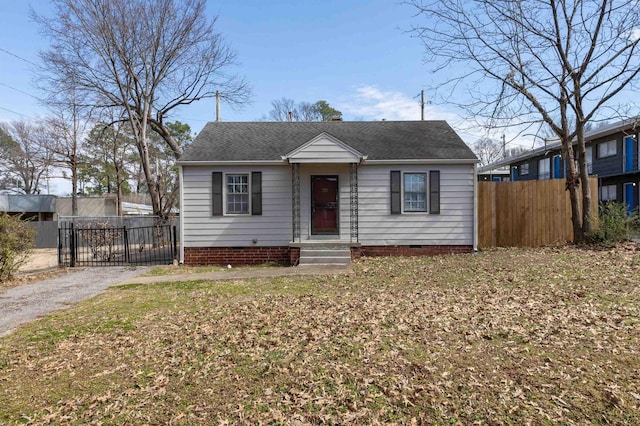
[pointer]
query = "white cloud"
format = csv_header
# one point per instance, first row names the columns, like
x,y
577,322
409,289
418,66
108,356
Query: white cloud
x,y
372,103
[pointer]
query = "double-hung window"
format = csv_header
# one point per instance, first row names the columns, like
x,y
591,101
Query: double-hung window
x,y
415,196
608,193
237,195
414,192
607,149
544,168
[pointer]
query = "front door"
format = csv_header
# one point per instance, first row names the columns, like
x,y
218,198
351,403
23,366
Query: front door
x,y
324,205
630,197
629,143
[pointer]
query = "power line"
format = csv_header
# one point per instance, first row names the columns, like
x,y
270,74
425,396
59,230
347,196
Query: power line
x,y
18,90
15,112
19,57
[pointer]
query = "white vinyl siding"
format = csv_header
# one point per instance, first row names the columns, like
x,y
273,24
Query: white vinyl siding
x,y
454,226
324,150
272,228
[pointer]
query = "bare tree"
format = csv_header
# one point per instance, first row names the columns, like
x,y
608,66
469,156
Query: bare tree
x,y
487,150
66,128
143,57
24,159
281,108
526,62
285,109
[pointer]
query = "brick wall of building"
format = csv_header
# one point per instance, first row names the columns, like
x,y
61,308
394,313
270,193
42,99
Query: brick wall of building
x,y
421,250
237,255
291,255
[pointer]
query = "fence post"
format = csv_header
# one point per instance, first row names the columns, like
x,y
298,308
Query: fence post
x,y
175,242
59,247
72,246
126,243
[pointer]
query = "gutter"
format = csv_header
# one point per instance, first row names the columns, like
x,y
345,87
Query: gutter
x,y
181,179
475,208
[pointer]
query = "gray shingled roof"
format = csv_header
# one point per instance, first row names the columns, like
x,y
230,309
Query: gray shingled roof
x,y
378,140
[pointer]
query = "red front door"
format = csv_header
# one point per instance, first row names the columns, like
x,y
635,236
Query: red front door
x,y
324,205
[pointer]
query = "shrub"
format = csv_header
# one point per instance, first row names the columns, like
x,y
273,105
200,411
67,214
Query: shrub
x,y
615,224
16,243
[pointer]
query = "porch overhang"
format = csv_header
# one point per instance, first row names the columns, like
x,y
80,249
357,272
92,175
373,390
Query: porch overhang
x,y
324,149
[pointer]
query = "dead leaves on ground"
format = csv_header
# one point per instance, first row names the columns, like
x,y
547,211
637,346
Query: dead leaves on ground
x,y
500,337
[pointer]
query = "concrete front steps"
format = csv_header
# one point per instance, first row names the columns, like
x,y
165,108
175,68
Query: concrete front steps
x,y
325,253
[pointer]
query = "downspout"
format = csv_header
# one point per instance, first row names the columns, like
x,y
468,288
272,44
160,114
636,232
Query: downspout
x,y
475,207
181,178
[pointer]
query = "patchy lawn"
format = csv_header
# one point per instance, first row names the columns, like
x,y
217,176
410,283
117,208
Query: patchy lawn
x,y
502,337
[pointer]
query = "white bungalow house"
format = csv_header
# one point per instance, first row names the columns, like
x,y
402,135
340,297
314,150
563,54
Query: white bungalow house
x,y
325,192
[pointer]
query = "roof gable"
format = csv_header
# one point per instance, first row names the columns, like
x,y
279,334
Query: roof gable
x,y
324,148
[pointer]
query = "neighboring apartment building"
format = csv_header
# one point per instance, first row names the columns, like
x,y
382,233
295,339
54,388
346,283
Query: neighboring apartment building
x,y
611,154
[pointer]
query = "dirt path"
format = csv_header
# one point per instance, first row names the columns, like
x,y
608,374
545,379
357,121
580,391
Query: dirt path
x,y
26,303
40,260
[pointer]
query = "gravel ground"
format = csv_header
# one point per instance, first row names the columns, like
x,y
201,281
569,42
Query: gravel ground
x,y
26,303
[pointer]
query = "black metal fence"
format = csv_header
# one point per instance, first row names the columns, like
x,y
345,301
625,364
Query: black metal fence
x,y
102,244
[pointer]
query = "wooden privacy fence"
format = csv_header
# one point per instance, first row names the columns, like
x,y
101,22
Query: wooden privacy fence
x,y
526,213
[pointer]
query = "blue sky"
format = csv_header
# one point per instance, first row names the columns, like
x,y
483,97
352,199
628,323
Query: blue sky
x,y
357,55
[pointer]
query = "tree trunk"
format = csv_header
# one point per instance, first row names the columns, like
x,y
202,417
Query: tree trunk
x,y
74,188
587,219
161,130
572,184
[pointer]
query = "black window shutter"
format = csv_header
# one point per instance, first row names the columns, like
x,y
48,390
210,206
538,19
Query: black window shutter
x,y
217,194
395,192
434,192
256,193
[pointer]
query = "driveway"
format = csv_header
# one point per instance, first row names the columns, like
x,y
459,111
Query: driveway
x,y
20,305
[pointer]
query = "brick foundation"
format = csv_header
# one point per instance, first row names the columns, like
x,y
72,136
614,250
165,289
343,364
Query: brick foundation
x,y
239,255
294,255
291,255
418,250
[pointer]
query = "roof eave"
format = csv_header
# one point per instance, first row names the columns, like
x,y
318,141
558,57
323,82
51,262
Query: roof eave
x,y
426,161
231,163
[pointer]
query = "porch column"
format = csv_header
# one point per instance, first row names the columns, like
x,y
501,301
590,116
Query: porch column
x,y
353,201
295,201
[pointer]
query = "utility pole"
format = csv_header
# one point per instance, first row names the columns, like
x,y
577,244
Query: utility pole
x,y
504,147
422,104
217,105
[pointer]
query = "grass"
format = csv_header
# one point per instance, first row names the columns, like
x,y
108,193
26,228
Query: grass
x,y
540,336
165,270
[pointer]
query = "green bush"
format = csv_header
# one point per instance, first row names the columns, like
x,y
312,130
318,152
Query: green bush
x,y
16,243
615,224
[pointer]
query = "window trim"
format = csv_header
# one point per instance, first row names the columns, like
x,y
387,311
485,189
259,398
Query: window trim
x,y
225,193
426,193
613,143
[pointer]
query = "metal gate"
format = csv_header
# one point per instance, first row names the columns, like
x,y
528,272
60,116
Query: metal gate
x,y
104,245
